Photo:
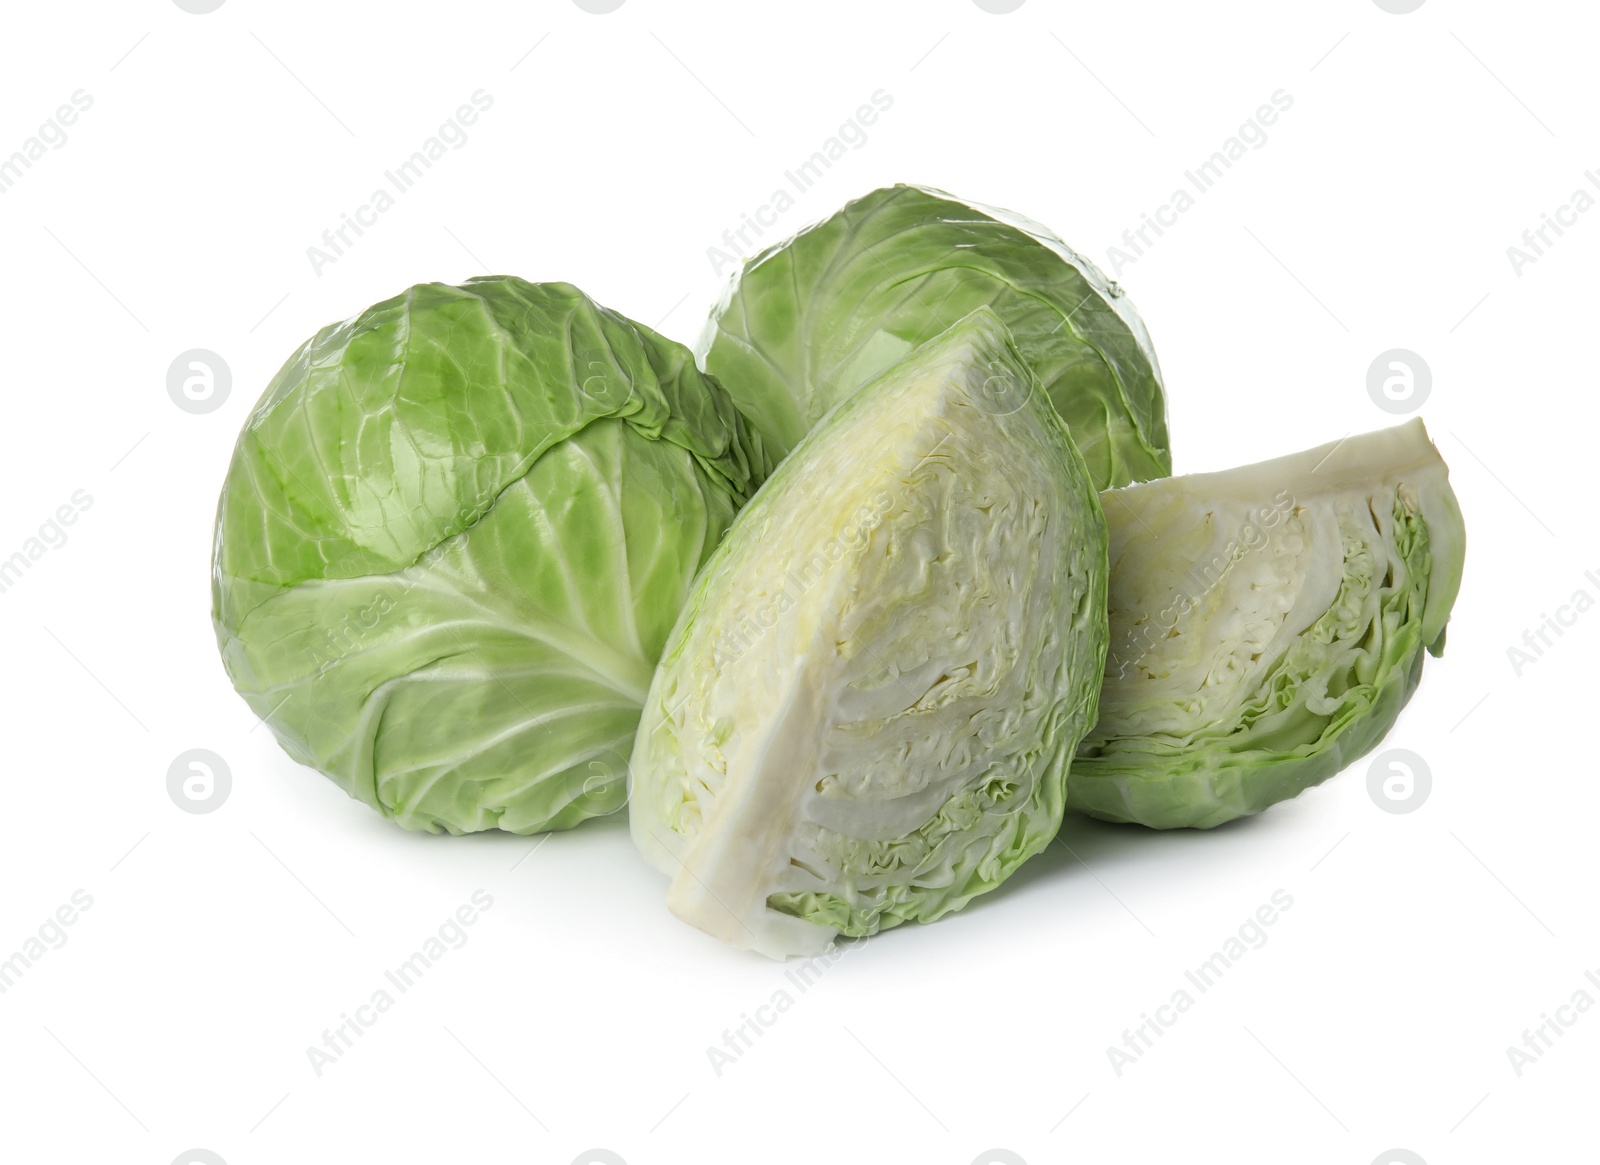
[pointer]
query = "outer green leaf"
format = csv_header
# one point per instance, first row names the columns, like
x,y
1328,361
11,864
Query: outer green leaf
x,y
809,321
454,536
1268,624
866,711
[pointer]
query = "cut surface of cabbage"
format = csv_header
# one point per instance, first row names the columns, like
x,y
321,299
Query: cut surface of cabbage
x,y
1268,623
866,711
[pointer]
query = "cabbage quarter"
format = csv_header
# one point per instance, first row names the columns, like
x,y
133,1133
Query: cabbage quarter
x,y
865,714
1268,623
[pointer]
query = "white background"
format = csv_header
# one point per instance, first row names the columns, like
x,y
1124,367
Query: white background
x,y
219,947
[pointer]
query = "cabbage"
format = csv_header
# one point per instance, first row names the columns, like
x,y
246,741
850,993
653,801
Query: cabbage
x,y
1267,626
809,321
453,538
865,714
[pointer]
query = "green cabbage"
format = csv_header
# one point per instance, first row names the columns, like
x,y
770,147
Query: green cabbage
x,y
1267,625
809,321
866,711
453,538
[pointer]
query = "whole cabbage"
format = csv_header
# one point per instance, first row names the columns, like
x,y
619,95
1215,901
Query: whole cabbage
x,y
808,321
454,535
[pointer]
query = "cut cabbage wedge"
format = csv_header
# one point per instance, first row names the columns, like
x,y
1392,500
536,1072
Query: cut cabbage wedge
x,y
1267,626
866,711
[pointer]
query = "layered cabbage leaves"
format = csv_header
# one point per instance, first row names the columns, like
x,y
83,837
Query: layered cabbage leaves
x,y
810,320
1268,623
453,538
866,712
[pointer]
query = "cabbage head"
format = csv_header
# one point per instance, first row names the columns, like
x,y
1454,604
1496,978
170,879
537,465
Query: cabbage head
x,y
453,538
1267,625
807,322
866,711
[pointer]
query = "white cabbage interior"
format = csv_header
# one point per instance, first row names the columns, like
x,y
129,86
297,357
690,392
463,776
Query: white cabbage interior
x,y
1215,576
887,645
